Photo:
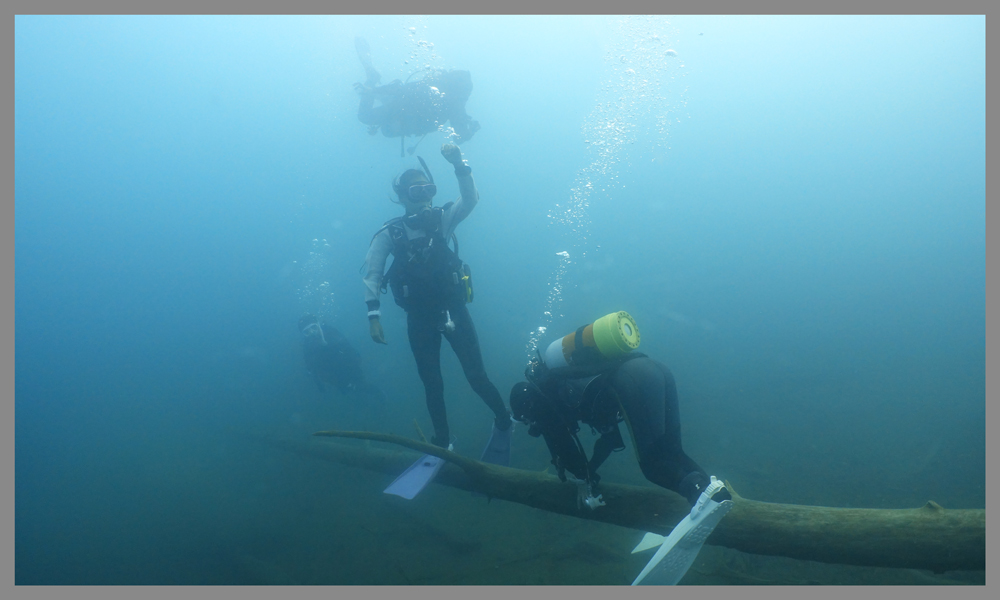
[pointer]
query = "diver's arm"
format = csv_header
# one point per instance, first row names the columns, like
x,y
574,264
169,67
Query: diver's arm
x,y
566,455
470,195
604,446
374,267
466,185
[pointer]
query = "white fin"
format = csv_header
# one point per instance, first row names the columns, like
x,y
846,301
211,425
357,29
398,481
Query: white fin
x,y
650,540
678,551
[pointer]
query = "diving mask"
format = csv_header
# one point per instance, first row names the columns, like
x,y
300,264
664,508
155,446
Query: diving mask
x,y
421,192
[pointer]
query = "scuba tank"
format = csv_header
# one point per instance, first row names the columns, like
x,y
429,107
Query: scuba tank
x,y
608,338
572,368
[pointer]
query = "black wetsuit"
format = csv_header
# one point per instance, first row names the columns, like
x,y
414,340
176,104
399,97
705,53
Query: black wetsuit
x,y
425,328
336,363
639,390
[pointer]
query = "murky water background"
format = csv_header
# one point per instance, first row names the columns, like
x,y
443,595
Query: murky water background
x,y
793,209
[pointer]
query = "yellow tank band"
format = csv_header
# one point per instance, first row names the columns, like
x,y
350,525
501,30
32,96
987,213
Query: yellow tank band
x,y
615,334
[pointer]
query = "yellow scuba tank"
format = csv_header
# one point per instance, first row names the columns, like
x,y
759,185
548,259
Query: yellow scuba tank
x,y
608,338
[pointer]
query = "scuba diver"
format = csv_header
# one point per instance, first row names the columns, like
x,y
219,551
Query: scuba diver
x,y
432,284
414,108
332,360
593,376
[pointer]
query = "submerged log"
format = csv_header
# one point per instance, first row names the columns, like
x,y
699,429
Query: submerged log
x,y
929,537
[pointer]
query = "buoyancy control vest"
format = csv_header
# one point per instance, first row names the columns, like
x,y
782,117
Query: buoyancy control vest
x,y
562,399
582,393
426,274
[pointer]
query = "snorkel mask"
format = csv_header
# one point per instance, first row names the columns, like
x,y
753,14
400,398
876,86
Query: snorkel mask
x,y
422,192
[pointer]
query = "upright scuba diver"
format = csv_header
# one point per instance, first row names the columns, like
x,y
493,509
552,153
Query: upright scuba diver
x,y
414,108
593,376
332,360
432,284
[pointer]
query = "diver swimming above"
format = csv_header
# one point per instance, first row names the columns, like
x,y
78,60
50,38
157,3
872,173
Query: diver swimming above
x,y
414,108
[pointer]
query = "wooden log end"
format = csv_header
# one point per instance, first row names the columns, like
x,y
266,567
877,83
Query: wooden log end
x,y
732,491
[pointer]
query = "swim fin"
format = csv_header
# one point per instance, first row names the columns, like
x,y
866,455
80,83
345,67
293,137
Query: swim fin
x,y
365,56
678,551
497,450
415,478
650,540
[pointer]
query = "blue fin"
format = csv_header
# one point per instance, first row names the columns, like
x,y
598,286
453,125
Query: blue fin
x,y
497,450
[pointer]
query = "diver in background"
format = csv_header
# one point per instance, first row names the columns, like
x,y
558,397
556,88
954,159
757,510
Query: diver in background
x,y
432,284
414,108
332,360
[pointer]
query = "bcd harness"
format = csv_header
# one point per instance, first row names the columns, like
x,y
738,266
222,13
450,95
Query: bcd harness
x,y
425,273
581,395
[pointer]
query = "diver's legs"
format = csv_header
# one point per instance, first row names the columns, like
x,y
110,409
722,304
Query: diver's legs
x,y
648,396
365,56
366,109
425,342
465,343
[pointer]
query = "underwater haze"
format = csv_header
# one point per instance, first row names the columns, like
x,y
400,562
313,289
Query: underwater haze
x,y
791,208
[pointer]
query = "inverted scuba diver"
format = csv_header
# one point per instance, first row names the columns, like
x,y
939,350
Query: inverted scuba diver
x,y
414,108
595,376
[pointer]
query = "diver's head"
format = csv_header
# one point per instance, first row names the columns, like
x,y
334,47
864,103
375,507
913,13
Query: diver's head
x,y
309,326
414,191
523,396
